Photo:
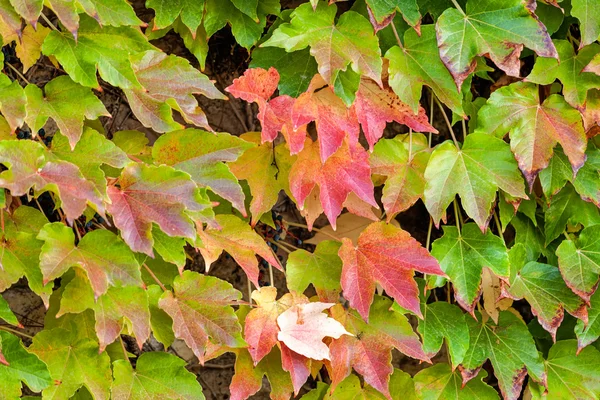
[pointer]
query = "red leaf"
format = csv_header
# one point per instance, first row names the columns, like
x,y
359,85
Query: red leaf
x,y
257,85
386,255
297,365
333,119
344,172
375,106
152,194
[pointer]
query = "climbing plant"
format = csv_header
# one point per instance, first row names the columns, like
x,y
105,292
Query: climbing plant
x,y
408,208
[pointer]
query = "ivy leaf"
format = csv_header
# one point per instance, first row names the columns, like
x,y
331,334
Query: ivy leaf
x,y
6,313
405,181
335,46
375,106
498,30
148,194
351,388
56,102
579,262
28,168
322,269
475,173
100,253
386,255
12,102
260,330
568,208
200,306
334,121
104,48
534,128
73,363
167,11
440,382
584,11
248,379
303,327
246,31
28,44
383,10
239,240
590,332
544,289
511,350
20,251
20,366
344,172
296,69
368,351
266,169
559,172
28,9
201,154
91,143
464,254
419,64
10,17
157,375
444,321
569,71
572,375
168,82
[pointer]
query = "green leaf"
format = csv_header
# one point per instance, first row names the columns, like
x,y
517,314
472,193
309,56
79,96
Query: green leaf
x,y
529,236
266,168
510,348
405,181
296,69
568,208
383,9
200,307
90,153
20,250
56,102
20,366
463,255
167,11
569,71
351,388
322,269
104,48
161,323
579,261
572,375
72,363
544,289
100,253
12,102
171,249
202,154
245,30
444,321
335,46
168,82
248,7
6,313
475,172
440,382
496,28
534,128
157,376
418,64
590,332
586,11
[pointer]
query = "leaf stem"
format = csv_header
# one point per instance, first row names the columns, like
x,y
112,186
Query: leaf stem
x,y
464,128
19,74
458,6
155,278
410,135
314,229
457,215
441,107
430,115
428,241
499,226
281,246
49,22
396,34
11,330
124,349
271,277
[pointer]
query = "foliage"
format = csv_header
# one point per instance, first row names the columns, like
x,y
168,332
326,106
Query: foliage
x,y
450,145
